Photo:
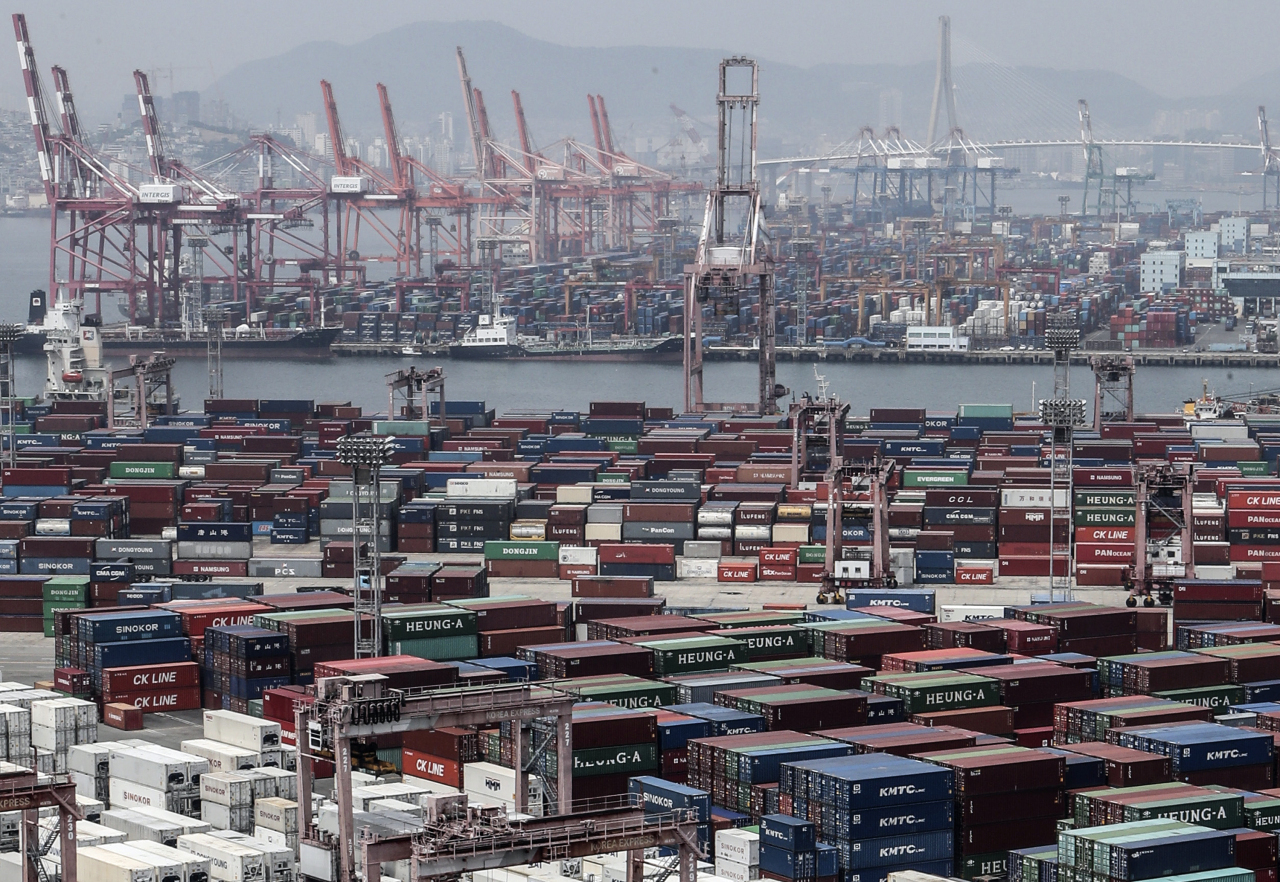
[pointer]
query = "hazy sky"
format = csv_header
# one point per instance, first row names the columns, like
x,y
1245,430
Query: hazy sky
x,y
1178,48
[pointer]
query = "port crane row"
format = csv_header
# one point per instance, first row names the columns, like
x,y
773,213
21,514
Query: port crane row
x,y
309,222
270,217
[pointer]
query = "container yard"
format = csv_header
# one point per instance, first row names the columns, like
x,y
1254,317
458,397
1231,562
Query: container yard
x,y
242,640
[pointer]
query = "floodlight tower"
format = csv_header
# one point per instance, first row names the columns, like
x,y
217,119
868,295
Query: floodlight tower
x,y
366,454
1062,414
9,334
215,319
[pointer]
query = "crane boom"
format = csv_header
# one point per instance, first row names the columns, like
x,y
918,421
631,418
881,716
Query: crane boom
x,y
70,129
36,104
341,162
605,128
473,116
495,167
399,168
522,127
595,127
151,127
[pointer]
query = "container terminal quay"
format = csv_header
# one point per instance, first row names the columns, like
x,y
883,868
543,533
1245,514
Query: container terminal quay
x,y
297,639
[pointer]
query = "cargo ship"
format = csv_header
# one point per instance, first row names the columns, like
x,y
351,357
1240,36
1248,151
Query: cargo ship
x,y
496,337
245,341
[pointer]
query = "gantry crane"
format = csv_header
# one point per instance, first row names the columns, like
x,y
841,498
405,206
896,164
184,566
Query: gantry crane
x,y
731,265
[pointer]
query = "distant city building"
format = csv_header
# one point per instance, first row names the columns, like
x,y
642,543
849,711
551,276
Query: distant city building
x,y
1234,234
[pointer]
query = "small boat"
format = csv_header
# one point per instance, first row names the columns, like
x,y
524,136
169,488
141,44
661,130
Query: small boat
x,y
72,377
410,351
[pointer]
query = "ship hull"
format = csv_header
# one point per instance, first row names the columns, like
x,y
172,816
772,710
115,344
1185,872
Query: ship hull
x,y
309,345
665,350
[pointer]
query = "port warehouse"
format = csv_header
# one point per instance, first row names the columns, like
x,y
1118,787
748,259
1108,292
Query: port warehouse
x,y
979,730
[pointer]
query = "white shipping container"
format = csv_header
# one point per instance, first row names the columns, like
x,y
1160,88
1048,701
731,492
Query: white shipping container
x,y
752,532
241,730
226,788
738,846
575,555
215,550
130,794
138,826
489,781
228,861
280,862
960,612
317,862
1033,497
791,533
735,871
91,759
275,813
186,824
167,869
706,550
573,494
222,757
396,806
285,782
603,532
224,817
51,739
276,838
196,869
96,864
486,488
696,567
64,713
150,767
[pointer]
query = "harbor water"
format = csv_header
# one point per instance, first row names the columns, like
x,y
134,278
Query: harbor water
x,y
512,385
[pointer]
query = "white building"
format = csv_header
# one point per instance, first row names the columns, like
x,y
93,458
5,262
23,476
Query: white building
x,y
1161,270
927,338
1234,234
1099,263
1203,244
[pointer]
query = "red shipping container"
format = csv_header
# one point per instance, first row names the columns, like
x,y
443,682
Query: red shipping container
x,y
173,675
1255,519
636,553
1245,553
975,575
736,572
162,700
432,768
1031,566
783,557
1097,575
122,716
1097,552
777,573
1105,534
809,573
1254,500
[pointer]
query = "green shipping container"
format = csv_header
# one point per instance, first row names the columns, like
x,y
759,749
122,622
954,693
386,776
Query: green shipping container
x,y
1262,812
935,478
1220,811
624,759
613,478
1206,696
407,428
503,550
812,554
695,654
995,863
930,692
65,593
144,469
1106,499
771,641
624,445
1105,517
622,690
1255,468
428,620
458,648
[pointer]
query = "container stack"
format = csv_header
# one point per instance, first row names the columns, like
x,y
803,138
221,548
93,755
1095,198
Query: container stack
x,y
1207,753
464,524
275,821
737,854
879,813
1156,848
1007,797
797,707
789,849
227,800
611,745
737,769
156,777
1083,721
661,797
522,559
241,662
1105,519
436,631
57,725
1027,539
